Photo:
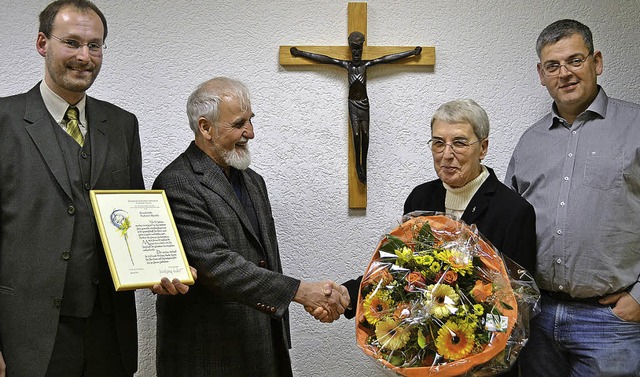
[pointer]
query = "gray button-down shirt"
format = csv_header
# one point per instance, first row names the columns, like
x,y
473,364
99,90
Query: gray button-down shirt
x,y
584,182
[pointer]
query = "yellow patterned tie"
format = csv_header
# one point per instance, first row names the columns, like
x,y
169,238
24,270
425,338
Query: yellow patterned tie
x,y
72,125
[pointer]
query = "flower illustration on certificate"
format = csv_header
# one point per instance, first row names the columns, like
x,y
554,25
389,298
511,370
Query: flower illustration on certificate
x,y
120,219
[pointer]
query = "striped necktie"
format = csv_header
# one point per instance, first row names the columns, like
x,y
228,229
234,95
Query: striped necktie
x,y
73,129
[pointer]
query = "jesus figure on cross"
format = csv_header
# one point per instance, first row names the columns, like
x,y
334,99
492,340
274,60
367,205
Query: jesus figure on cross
x,y
358,99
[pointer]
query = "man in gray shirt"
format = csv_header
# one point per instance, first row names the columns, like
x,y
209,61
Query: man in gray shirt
x,y
579,167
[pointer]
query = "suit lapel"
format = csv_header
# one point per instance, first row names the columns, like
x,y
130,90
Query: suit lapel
x,y
39,127
99,138
212,177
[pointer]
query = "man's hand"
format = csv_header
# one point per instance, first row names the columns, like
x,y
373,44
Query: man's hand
x,y
171,287
3,366
625,306
329,303
329,288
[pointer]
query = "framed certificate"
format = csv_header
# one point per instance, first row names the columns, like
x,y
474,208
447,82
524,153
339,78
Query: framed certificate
x,y
140,238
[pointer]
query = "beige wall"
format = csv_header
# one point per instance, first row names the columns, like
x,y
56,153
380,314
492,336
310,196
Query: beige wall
x,y
158,51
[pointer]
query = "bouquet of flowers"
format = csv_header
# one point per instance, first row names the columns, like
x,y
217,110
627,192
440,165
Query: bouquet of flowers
x,y
436,299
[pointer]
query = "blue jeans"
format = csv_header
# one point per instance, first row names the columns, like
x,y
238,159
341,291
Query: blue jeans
x,y
581,340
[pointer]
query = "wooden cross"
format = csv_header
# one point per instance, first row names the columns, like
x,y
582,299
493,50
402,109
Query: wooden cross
x,y
357,13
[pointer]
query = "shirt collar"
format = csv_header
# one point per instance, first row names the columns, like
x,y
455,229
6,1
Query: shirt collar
x,y
597,108
57,106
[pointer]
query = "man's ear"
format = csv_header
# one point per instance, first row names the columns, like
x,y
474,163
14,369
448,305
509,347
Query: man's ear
x,y
599,63
41,44
540,74
205,128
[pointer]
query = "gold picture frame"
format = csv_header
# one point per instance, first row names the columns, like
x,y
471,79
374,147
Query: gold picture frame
x,y
140,238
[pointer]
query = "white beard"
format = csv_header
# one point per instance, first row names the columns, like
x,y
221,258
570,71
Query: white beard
x,y
238,158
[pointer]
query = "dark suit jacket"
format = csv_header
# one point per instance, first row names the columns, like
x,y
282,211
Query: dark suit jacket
x,y
36,223
233,320
505,218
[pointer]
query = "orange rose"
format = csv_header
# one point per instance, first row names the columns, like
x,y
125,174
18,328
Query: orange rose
x,y
449,277
481,291
415,280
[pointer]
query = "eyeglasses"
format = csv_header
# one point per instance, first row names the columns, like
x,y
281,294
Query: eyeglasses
x,y
95,48
457,146
572,65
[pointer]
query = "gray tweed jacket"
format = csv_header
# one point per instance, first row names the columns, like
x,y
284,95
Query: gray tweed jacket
x,y
234,321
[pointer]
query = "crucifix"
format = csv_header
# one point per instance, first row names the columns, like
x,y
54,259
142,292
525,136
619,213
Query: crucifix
x,y
356,58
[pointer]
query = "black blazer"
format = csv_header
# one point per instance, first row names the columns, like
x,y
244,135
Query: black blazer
x,y
505,218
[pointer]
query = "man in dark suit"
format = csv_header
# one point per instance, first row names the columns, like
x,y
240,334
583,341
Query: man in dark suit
x,y
59,314
234,321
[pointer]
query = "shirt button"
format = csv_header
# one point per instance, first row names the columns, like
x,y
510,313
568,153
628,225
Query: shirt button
x,y
71,210
262,263
574,132
560,287
95,281
570,155
66,255
57,302
273,310
87,186
566,178
561,203
558,261
559,231
84,155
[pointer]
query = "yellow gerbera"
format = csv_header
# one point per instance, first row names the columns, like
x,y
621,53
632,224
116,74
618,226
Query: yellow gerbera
x,y
454,341
376,306
442,300
391,334
460,261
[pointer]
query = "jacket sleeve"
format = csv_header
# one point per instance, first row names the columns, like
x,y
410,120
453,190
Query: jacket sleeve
x,y
353,286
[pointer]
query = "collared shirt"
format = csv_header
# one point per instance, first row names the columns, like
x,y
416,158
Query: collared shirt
x,y
57,107
583,179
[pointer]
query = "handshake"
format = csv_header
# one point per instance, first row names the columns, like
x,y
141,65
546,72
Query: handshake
x,y
325,300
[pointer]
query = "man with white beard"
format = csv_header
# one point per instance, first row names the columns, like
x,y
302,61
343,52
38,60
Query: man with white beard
x,y
234,321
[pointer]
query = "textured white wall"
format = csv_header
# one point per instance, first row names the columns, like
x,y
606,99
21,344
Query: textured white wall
x,y
158,51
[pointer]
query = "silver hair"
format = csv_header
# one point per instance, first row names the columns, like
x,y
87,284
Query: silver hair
x,y
205,100
464,111
563,29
